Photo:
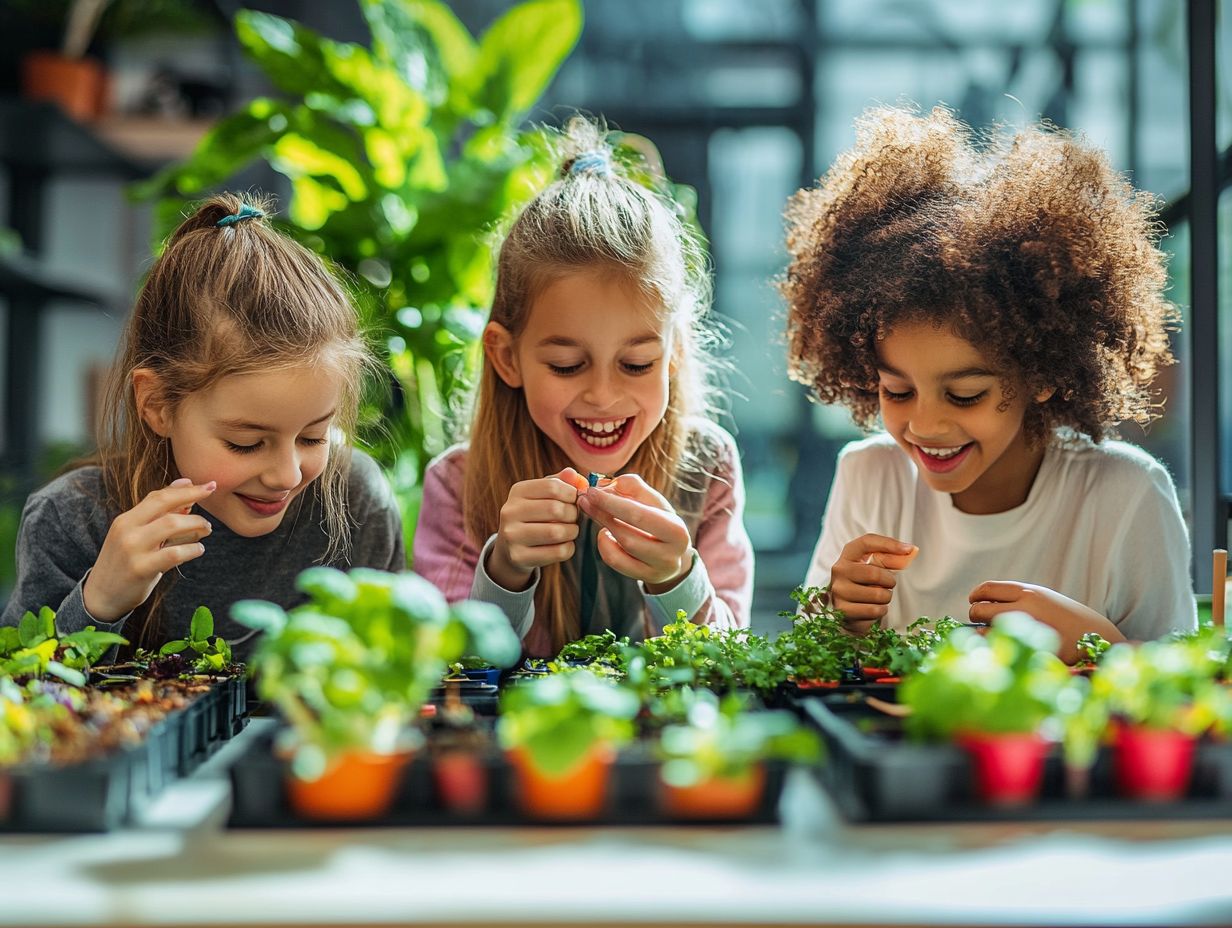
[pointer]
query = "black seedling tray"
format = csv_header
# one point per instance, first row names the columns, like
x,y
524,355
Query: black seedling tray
x,y
875,774
259,797
107,792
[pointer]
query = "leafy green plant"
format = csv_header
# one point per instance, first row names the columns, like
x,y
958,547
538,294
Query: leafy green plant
x,y
722,738
1007,681
604,647
701,656
35,649
350,669
402,155
559,718
1166,685
213,652
1091,647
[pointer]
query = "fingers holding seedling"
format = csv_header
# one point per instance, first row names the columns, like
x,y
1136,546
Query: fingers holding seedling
x,y
538,526
643,537
862,580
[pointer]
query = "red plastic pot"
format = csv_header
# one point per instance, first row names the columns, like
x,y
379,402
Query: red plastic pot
x,y
1153,764
461,781
356,786
717,797
577,794
1009,768
816,684
874,673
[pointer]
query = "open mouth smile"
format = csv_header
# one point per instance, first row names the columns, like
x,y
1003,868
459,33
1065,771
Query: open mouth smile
x,y
602,435
942,459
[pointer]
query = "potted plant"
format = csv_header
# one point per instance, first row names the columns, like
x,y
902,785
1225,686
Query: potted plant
x,y
560,733
349,671
714,760
458,746
992,694
1160,695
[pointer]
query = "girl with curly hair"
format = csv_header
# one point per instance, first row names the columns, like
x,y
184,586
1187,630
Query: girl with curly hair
x,y
998,303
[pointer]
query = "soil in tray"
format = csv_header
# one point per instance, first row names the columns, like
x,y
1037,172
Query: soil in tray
x,y
259,795
119,751
875,773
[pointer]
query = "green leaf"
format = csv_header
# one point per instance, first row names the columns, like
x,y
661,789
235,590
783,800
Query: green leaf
x,y
47,618
258,614
489,634
10,640
174,646
67,674
521,53
202,624
291,55
29,630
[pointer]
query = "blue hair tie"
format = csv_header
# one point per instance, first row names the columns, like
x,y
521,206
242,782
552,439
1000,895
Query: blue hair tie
x,y
246,212
592,162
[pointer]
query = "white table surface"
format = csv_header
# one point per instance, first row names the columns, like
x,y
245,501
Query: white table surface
x,y
180,866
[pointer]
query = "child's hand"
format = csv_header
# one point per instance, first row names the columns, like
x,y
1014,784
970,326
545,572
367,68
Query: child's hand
x,y
862,578
538,525
1070,618
643,538
144,543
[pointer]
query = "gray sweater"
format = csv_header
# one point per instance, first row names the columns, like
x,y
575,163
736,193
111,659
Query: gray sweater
x,y
64,523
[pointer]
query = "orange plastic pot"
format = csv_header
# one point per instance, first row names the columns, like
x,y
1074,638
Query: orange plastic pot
x,y
1153,764
578,793
78,85
1009,768
356,786
461,782
717,797
874,673
816,684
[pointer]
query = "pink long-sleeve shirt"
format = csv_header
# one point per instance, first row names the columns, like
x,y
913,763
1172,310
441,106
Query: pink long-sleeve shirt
x,y
717,591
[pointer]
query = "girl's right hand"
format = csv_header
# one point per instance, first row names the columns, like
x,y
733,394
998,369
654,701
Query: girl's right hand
x,y
538,525
156,535
862,578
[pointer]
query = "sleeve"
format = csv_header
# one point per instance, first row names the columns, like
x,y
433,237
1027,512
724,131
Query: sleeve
x,y
52,565
1150,593
718,590
839,525
445,555
379,539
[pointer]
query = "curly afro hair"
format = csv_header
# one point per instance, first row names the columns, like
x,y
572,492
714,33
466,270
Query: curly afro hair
x,y
1028,245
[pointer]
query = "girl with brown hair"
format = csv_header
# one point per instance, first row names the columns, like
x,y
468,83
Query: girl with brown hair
x,y
998,306
224,466
593,364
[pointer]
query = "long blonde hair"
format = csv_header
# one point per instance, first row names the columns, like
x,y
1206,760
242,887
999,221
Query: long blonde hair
x,y
591,216
225,300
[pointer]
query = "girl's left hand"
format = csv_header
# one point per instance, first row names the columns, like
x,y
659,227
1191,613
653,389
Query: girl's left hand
x,y
642,535
1070,618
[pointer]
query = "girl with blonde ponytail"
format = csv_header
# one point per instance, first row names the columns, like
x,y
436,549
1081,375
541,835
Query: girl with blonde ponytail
x,y
594,363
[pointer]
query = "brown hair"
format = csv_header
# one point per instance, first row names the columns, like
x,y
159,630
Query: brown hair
x,y
1027,244
219,301
592,216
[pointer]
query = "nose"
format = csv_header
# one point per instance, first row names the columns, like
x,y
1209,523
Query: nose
x,y
600,390
928,419
284,471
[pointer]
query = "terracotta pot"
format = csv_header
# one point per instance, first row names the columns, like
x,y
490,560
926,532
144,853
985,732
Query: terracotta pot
x,y
78,85
356,786
1153,764
461,781
1009,768
718,797
578,793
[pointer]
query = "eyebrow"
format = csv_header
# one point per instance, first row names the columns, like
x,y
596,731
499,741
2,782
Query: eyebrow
x,y
949,375
243,426
562,342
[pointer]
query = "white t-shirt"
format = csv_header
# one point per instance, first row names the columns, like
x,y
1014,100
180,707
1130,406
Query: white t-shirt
x,y
1100,525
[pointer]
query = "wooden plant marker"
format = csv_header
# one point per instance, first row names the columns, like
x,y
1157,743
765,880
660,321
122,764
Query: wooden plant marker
x,y
1219,576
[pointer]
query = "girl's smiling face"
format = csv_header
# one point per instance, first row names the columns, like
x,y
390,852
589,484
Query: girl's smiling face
x,y
264,438
942,401
593,363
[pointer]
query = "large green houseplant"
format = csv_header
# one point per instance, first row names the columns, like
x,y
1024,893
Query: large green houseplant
x,y
402,155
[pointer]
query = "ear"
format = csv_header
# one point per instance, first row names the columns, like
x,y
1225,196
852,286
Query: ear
x,y
499,348
147,391
1045,395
